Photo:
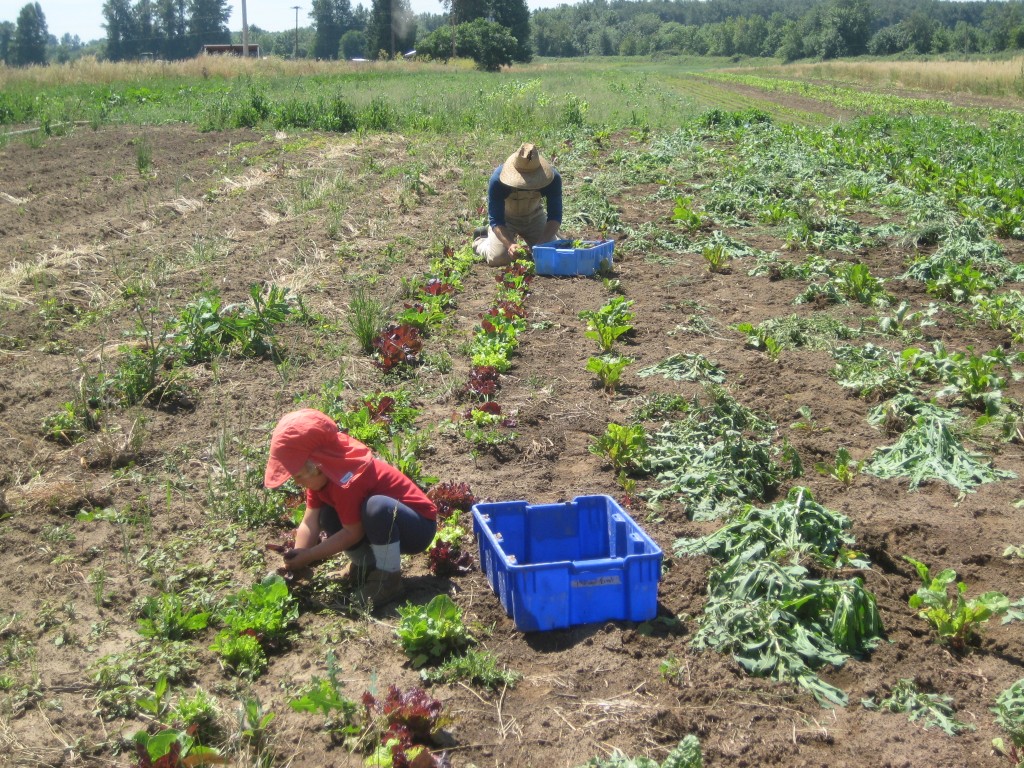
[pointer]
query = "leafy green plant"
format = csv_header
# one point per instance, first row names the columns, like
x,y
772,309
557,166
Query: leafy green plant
x,y
608,323
960,283
956,619
807,421
685,214
856,282
905,322
717,258
845,469
625,446
608,369
199,714
759,337
432,632
255,619
171,748
934,709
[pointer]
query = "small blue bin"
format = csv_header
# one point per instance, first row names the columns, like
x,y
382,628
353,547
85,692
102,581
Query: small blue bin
x,y
560,258
560,565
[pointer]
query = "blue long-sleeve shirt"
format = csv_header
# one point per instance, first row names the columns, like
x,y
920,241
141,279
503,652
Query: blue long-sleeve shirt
x,y
497,192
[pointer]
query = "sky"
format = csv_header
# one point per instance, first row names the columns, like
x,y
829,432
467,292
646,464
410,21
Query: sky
x,y
85,17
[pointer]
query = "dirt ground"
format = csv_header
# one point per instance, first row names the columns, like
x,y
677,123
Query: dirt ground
x,y
79,224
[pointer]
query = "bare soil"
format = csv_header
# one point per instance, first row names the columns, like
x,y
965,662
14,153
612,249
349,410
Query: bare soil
x,y
79,224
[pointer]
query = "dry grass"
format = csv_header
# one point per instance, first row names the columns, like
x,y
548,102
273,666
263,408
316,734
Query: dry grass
x,y
90,70
982,78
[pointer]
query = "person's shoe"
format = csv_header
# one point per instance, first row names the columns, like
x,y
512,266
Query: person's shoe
x,y
381,588
354,573
479,232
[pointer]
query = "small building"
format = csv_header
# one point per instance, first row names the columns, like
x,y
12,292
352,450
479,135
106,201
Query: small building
x,y
231,49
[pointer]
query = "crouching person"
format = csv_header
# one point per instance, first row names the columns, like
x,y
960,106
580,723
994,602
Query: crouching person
x,y
365,507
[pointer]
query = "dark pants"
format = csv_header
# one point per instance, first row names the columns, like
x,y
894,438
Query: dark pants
x,y
386,521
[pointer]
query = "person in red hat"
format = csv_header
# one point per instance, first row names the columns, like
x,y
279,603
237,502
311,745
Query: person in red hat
x,y
363,506
524,200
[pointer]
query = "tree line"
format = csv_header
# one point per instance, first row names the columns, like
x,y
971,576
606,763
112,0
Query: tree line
x,y
786,29
500,32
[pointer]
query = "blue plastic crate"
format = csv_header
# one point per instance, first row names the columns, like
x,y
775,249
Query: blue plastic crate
x,y
560,258
560,565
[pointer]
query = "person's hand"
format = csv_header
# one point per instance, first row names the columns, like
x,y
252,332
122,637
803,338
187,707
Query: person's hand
x,y
517,251
297,559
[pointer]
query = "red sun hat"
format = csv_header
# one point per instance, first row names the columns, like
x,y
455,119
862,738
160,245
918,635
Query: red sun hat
x,y
309,435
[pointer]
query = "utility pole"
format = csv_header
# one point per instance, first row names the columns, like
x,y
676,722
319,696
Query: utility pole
x,y
296,54
245,34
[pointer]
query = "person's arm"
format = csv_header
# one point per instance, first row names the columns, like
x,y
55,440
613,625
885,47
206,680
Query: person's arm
x,y
308,532
553,203
346,538
550,231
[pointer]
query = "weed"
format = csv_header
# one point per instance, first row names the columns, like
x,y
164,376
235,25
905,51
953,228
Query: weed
x,y
686,367
323,695
768,611
1009,712
166,617
686,754
934,709
476,667
143,155
367,317
927,450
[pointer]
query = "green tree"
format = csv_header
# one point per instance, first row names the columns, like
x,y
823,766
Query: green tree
x,y
122,35
207,24
353,45
67,48
30,35
146,28
848,21
391,28
6,38
332,19
489,44
515,17
172,21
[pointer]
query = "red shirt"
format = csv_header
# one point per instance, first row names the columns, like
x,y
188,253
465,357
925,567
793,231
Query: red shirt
x,y
379,479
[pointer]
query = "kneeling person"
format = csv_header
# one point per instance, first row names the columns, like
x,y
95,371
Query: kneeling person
x,y
365,507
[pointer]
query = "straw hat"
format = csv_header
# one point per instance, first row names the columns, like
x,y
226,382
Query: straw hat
x,y
526,169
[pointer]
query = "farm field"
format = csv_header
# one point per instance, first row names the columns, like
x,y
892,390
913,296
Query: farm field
x,y
818,296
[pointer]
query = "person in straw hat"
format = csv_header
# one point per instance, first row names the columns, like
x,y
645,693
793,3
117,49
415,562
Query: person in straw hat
x,y
515,209
355,503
